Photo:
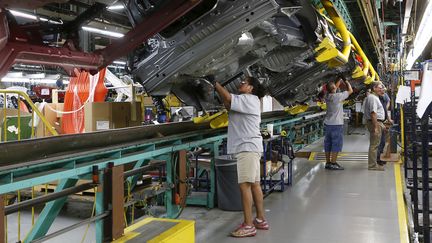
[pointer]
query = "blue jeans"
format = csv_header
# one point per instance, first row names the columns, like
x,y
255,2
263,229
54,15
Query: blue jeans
x,y
333,139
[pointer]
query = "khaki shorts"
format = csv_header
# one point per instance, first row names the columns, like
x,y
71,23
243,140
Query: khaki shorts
x,y
248,167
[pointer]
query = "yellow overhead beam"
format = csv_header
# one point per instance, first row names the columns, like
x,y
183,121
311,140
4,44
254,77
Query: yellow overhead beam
x,y
367,66
341,57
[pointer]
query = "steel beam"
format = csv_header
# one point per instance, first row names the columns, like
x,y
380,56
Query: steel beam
x,y
148,28
17,46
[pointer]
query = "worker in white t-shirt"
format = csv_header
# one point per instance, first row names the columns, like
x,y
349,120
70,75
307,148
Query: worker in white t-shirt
x,y
245,142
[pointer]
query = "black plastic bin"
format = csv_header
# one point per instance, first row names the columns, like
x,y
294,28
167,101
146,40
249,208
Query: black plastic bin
x,y
228,191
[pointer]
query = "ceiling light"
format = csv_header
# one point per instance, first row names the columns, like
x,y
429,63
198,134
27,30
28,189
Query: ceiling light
x,y
28,80
23,15
115,7
119,67
119,62
103,32
33,17
423,36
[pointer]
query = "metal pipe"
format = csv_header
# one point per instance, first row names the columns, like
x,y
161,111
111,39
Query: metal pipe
x,y
340,26
307,117
72,227
49,197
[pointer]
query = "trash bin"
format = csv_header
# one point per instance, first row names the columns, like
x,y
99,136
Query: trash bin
x,y
228,191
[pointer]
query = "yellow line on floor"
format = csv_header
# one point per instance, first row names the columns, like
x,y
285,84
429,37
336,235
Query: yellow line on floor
x,y
312,156
402,218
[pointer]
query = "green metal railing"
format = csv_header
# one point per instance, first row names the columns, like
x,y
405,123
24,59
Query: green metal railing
x,y
35,111
343,10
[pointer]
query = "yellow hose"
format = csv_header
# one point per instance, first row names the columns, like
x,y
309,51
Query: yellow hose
x,y
92,215
19,218
33,209
19,119
4,118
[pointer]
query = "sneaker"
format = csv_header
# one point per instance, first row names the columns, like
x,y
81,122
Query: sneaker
x,y
333,166
337,166
244,231
380,162
261,224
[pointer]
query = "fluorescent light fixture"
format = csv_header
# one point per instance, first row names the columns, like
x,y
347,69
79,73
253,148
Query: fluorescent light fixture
x,y
115,7
119,62
23,15
103,32
33,17
15,74
423,36
28,80
118,67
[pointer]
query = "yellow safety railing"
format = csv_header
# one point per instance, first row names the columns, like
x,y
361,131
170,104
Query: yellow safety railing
x,y
35,110
48,126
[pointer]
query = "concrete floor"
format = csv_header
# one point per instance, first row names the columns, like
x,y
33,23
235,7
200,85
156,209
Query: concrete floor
x,y
354,205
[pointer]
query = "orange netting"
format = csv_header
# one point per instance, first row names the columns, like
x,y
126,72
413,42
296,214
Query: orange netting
x,y
82,88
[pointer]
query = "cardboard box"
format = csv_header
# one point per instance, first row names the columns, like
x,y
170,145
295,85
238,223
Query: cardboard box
x,y
52,117
147,101
100,116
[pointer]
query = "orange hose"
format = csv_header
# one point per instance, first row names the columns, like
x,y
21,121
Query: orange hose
x,y
74,122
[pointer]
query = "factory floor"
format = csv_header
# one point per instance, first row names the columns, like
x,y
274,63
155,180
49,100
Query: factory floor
x,y
354,205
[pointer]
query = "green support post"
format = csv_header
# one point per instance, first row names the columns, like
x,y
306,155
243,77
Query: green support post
x,y
50,212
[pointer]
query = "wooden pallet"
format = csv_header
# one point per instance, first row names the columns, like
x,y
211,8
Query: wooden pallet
x,y
51,188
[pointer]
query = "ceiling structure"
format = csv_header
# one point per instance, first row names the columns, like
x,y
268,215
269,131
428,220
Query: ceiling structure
x,y
375,22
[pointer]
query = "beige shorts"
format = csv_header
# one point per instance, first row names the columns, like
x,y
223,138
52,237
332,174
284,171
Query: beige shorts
x,y
248,167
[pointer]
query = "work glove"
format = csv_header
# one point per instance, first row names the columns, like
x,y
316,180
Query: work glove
x,y
210,78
